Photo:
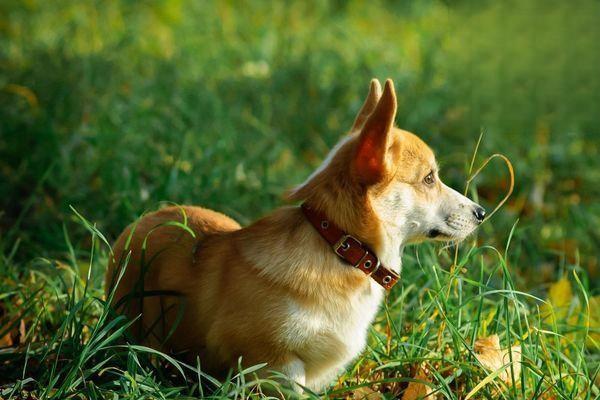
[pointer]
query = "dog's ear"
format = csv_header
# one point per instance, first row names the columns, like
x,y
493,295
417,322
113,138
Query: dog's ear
x,y
368,106
369,161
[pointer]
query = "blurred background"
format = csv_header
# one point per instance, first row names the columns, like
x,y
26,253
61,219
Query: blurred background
x,y
113,107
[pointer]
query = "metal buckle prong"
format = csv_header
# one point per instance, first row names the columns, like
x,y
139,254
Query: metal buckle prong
x,y
340,243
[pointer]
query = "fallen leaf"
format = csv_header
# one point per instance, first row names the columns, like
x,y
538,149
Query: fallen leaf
x,y
366,393
14,336
494,358
560,296
6,340
593,339
589,319
560,293
22,332
563,305
419,390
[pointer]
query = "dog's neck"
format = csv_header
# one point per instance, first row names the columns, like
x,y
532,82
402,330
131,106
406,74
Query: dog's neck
x,y
392,247
386,239
287,249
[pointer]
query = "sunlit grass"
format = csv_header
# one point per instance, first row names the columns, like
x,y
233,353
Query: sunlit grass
x,y
74,344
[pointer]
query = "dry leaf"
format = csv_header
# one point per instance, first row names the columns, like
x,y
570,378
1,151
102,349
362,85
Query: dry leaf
x,y
418,390
493,358
14,336
22,332
6,340
366,393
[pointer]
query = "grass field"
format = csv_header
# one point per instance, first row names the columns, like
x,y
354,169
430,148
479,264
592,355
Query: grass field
x,y
110,109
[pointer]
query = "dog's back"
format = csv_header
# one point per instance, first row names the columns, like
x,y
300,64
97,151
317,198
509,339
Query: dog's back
x,y
160,251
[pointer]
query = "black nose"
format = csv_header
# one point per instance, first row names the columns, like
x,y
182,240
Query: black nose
x,y
479,213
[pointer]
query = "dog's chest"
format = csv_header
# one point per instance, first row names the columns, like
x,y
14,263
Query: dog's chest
x,y
333,331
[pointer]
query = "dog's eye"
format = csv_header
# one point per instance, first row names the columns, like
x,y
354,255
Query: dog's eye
x,y
429,179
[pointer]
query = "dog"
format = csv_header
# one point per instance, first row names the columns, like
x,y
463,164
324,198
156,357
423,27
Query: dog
x,y
298,288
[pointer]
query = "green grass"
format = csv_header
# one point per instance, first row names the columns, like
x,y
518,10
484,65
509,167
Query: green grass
x,y
74,345
113,107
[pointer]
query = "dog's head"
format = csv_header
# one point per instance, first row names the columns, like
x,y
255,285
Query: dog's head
x,y
380,181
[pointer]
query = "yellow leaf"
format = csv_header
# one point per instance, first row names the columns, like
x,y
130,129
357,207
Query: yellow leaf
x,y
493,358
366,393
419,390
560,293
587,319
593,339
560,296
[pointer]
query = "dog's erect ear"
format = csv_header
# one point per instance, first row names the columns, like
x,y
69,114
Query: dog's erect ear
x,y
368,106
369,162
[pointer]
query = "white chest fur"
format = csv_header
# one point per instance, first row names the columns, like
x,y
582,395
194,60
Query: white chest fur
x,y
329,335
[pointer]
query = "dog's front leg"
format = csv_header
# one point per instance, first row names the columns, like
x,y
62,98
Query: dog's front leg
x,y
294,370
290,375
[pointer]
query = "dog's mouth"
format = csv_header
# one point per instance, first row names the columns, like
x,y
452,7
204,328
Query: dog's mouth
x,y
453,228
438,234
448,235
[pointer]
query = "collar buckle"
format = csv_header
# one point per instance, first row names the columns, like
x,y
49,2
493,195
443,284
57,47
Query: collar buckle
x,y
341,244
350,249
345,245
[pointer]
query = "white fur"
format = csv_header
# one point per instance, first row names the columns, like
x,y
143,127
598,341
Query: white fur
x,y
331,335
294,370
406,219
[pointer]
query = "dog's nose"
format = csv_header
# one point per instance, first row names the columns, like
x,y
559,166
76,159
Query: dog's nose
x,y
479,213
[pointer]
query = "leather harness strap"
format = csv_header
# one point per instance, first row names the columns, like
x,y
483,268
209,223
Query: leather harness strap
x,y
350,249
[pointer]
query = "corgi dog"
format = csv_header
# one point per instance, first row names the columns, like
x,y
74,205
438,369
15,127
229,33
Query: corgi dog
x,y
298,288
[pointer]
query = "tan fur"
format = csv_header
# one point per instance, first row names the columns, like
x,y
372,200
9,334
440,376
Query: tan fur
x,y
274,291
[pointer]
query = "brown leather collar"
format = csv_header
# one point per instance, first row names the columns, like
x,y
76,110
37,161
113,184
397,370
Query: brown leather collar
x,y
350,249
